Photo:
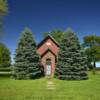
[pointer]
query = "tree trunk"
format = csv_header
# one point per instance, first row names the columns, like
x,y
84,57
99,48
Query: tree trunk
x,y
94,66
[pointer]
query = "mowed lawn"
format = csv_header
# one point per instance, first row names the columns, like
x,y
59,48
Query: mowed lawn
x,y
37,89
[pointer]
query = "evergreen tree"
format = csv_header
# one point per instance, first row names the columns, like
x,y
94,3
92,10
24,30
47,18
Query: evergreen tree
x,y
5,60
26,58
72,62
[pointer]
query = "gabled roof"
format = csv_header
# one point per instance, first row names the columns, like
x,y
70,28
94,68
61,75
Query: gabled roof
x,y
48,37
48,50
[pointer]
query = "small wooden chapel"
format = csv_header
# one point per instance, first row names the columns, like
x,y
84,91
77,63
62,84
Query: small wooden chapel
x,y
48,49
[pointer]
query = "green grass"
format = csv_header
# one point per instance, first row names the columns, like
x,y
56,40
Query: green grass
x,y
37,89
7,69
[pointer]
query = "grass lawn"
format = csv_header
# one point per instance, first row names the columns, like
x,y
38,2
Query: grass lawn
x,y
37,89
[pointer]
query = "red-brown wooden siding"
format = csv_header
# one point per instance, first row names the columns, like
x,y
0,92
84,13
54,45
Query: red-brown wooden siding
x,y
43,48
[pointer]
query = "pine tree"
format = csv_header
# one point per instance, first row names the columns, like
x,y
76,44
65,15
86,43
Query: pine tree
x,y
72,62
26,58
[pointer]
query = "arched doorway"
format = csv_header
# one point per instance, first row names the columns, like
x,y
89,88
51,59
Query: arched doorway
x,y
48,67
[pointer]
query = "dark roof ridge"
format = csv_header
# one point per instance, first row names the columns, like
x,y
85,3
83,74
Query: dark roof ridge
x,y
49,36
46,51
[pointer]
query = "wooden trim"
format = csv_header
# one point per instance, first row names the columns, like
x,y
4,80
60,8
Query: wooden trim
x,y
48,37
48,50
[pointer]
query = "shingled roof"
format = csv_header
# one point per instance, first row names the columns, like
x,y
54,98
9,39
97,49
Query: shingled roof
x,y
49,36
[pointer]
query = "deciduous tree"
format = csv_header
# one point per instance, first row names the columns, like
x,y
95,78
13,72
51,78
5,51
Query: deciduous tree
x,y
5,60
92,45
3,11
56,34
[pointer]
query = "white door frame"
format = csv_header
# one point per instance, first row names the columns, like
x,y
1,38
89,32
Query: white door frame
x,y
48,70
48,67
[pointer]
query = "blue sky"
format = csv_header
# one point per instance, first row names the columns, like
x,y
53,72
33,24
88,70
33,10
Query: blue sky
x,y
83,16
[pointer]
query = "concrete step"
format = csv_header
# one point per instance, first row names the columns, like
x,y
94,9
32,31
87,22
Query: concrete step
x,y
51,85
5,72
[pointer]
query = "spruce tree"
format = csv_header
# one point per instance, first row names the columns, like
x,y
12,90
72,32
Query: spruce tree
x,y
26,58
72,62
